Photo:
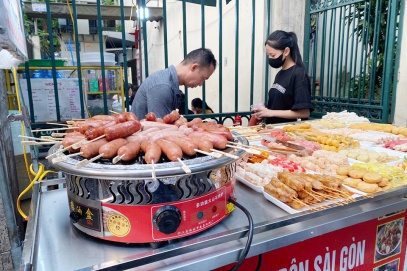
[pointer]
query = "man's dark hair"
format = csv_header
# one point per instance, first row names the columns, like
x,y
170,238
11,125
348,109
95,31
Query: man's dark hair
x,y
204,57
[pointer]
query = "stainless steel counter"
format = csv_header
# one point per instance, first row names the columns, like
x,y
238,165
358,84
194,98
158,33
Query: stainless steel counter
x,y
52,243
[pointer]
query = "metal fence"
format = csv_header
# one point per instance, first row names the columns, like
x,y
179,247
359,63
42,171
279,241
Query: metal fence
x,y
351,47
221,116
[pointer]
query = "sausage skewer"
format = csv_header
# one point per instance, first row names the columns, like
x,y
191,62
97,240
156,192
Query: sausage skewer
x,y
53,129
226,154
252,151
85,162
127,152
36,143
213,154
153,170
184,166
60,124
84,142
35,138
63,158
118,158
58,134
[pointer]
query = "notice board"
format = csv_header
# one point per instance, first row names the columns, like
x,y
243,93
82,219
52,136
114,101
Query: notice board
x,y
44,102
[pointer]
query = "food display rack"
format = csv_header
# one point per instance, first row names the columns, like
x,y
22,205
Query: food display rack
x,y
52,243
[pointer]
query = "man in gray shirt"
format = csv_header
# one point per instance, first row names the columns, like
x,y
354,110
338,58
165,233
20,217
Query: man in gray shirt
x,y
159,93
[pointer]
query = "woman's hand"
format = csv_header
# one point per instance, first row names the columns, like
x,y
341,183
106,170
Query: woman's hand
x,y
263,112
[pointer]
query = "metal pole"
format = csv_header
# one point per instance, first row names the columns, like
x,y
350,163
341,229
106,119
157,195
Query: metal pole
x,y
126,89
51,47
78,58
102,59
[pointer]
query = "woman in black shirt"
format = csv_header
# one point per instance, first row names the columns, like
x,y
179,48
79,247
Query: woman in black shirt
x,y
289,97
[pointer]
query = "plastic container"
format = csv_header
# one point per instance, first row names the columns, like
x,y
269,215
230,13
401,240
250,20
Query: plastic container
x,y
93,59
44,63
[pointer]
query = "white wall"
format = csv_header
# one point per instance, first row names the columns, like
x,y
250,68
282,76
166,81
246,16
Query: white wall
x,y
280,20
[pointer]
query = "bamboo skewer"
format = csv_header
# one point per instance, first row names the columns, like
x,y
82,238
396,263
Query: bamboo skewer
x,y
53,129
251,147
36,143
226,154
63,158
252,151
114,112
117,158
87,162
50,138
184,166
35,138
216,155
61,124
59,151
79,144
59,134
153,176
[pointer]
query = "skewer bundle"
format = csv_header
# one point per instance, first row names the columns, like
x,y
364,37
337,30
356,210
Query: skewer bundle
x,y
300,190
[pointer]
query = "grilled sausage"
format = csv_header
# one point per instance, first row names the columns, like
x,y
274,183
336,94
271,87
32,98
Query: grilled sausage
x,y
103,117
171,150
120,117
151,116
93,133
152,152
92,149
203,144
180,121
214,128
188,147
149,124
129,116
122,129
141,135
83,126
109,150
185,129
171,117
129,151
163,133
219,142
194,121
72,138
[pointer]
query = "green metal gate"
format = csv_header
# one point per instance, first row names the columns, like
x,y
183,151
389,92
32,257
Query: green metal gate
x,y
351,48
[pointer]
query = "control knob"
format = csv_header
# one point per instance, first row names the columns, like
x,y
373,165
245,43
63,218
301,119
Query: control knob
x,y
167,219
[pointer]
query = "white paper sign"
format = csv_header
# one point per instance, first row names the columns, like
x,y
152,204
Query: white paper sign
x,y
39,7
44,98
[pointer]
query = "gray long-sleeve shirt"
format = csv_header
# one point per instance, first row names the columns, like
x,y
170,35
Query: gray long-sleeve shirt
x,y
159,93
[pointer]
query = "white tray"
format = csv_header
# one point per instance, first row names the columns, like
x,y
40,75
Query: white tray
x,y
257,188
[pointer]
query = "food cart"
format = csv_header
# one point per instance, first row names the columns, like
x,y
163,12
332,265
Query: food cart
x,y
365,233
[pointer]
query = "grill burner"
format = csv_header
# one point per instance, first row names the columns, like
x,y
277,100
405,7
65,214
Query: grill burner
x,y
134,192
123,203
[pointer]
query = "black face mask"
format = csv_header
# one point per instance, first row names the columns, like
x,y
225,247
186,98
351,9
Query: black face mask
x,y
276,62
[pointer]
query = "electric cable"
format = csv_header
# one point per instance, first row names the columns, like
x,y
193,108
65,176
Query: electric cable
x,y
259,262
250,233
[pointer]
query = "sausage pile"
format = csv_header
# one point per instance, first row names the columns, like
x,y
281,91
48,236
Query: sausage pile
x,y
123,137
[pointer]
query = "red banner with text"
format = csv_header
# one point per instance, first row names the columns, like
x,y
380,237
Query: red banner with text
x,y
378,245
